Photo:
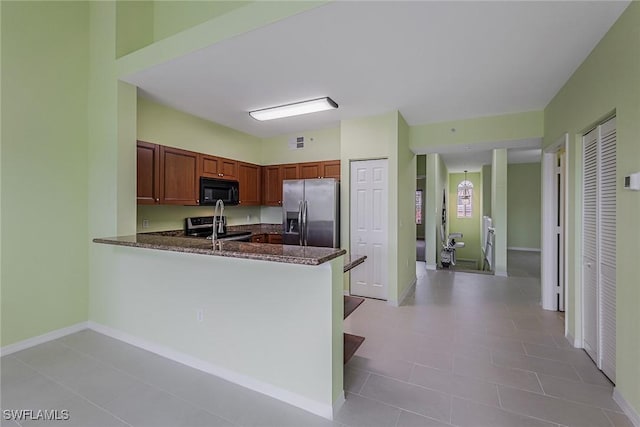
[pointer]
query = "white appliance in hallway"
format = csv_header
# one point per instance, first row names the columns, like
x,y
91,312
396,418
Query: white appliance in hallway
x,y
369,216
599,247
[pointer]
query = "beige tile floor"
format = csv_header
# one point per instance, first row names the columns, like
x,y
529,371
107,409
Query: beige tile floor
x,y
465,350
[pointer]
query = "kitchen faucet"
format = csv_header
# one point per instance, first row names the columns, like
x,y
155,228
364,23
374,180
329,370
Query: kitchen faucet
x,y
219,225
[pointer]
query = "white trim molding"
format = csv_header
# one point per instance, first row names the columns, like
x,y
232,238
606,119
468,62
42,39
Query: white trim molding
x,y
432,267
626,407
41,339
516,248
315,407
405,293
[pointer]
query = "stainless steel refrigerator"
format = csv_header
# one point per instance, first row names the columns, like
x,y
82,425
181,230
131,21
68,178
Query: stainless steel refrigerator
x,y
311,212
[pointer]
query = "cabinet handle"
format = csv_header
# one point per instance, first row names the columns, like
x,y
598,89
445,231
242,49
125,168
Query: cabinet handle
x,y
198,201
157,200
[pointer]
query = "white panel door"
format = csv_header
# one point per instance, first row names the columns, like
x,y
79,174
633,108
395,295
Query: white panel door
x,y
369,227
607,248
590,244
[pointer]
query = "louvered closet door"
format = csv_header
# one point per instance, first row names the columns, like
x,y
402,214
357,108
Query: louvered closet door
x,y
607,248
590,245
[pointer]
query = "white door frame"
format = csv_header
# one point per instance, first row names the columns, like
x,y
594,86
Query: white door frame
x,y
375,274
549,227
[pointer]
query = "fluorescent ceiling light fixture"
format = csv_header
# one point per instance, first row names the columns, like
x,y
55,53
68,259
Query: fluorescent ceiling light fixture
x,y
295,109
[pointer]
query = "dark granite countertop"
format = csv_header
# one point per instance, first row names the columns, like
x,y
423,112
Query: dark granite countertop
x,y
351,261
306,255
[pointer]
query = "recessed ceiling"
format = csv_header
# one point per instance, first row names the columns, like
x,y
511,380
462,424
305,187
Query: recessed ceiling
x,y
432,61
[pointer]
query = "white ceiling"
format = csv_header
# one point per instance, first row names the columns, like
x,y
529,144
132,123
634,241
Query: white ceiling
x,y
432,61
473,157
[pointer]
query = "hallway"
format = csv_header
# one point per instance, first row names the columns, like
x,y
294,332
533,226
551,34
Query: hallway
x,y
474,350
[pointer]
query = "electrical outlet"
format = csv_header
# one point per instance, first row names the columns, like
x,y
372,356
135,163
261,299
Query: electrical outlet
x,y
200,314
145,223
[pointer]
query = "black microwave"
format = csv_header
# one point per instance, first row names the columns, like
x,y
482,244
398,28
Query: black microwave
x,y
212,190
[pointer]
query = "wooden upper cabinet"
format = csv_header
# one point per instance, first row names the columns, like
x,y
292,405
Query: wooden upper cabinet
x,y
249,184
310,170
148,173
290,171
178,177
327,169
271,185
217,167
330,169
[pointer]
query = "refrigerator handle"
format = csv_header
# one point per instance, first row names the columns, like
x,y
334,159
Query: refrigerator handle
x,y
300,227
304,220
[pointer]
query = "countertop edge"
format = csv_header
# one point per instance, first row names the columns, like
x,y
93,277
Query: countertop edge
x,y
286,259
354,262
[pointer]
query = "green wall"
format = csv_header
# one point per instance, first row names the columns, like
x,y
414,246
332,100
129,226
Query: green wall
x,y
134,25
607,81
429,137
384,136
171,17
437,185
469,227
499,192
524,205
322,144
45,73
406,187
486,190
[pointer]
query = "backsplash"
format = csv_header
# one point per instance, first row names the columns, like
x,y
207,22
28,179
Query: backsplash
x,y
167,217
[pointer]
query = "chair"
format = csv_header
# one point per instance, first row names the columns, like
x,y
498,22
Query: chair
x,y
449,246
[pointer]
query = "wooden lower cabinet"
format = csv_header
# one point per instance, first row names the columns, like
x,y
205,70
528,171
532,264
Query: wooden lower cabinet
x,y
275,239
259,238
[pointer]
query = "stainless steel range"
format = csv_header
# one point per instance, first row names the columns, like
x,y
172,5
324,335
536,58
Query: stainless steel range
x,y
202,226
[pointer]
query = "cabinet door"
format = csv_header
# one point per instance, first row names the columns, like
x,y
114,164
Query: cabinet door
x,y
275,239
331,169
310,170
249,182
148,173
290,171
259,238
178,176
272,185
228,169
209,166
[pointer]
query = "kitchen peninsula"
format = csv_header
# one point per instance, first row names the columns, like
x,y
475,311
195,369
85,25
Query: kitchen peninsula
x,y
265,316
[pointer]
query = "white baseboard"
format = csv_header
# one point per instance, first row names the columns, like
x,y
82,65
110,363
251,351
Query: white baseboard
x,y
317,408
501,273
628,410
432,267
572,340
41,339
517,248
405,294
346,292
337,404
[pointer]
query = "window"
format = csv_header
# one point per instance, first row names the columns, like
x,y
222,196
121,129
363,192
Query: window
x,y
418,207
465,199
